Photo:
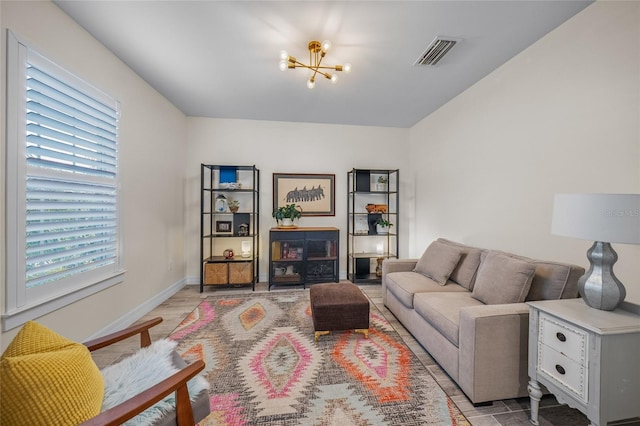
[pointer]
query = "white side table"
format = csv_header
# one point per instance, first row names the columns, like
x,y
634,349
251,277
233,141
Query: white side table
x,y
588,358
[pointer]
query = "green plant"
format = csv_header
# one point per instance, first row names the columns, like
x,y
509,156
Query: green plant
x,y
382,179
289,211
384,223
233,203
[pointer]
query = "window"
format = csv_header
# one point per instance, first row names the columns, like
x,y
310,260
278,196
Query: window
x,y
63,231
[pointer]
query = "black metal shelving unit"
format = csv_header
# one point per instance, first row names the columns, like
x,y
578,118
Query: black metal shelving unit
x,y
221,229
367,202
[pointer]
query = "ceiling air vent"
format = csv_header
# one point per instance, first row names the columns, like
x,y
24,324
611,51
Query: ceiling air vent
x,y
436,50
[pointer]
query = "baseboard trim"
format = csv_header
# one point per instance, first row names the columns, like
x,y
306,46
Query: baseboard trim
x,y
140,311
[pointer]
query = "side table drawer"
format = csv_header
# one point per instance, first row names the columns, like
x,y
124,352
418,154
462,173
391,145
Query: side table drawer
x,y
564,338
564,371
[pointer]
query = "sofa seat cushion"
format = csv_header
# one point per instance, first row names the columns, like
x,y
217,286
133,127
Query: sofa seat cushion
x,y
403,285
442,311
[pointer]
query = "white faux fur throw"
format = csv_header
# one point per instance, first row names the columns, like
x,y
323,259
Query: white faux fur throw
x,y
139,372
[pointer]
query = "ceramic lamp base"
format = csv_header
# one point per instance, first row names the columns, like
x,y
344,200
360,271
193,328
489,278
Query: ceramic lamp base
x,y
599,287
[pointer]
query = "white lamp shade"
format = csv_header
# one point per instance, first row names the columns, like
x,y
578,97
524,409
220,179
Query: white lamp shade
x,y
611,218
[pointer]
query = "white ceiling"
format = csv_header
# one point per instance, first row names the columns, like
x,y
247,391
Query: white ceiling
x,y
220,58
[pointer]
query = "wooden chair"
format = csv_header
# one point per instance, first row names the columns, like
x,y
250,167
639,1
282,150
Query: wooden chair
x,y
176,383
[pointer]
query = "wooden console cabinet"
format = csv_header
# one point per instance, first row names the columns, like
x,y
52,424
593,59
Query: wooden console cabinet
x,y
300,256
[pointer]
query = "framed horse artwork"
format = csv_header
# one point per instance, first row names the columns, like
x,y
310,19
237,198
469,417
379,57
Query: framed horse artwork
x,y
314,193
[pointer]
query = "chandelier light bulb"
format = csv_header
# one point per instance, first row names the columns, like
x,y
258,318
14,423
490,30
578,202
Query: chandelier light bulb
x,y
311,84
334,78
283,65
346,68
326,45
284,55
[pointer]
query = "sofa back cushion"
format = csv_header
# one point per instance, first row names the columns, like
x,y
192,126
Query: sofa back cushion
x,y
503,279
467,268
438,261
554,281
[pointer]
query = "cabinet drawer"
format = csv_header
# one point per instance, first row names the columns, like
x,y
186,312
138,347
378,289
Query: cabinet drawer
x,y
240,273
564,338
215,273
563,371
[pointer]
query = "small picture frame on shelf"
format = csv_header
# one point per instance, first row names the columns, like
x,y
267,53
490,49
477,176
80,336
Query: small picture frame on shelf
x,y
224,227
241,225
360,226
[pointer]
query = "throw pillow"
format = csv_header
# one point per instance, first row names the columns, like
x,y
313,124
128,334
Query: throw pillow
x,y
465,273
438,261
47,379
502,279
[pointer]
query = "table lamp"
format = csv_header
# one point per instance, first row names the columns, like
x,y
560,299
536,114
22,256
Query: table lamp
x,y
604,219
246,249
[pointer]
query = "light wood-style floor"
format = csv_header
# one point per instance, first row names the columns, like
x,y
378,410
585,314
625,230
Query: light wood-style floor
x,y
506,412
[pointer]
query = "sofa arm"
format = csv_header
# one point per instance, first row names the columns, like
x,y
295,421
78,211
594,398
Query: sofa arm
x,y
394,265
493,351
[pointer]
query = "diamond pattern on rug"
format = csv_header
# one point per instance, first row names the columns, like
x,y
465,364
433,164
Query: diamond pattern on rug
x,y
200,350
225,411
278,368
339,405
197,319
251,318
378,321
379,362
265,368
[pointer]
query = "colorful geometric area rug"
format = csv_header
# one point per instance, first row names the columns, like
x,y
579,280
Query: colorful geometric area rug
x,y
265,368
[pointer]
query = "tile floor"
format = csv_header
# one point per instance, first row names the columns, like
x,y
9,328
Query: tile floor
x,y
506,412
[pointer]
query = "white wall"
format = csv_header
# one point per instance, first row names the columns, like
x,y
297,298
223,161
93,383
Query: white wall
x,y
152,153
282,147
562,116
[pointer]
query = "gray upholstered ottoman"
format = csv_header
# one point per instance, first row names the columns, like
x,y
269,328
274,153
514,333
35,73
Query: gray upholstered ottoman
x,y
338,306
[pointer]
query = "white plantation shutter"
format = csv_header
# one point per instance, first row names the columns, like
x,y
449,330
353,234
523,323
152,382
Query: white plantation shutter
x,y
67,233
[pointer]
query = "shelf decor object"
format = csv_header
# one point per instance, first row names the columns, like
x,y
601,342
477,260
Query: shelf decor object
x,y
604,219
224,230
317,52
373,200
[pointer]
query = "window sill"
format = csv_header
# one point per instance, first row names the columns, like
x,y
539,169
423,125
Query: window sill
x,y
18,317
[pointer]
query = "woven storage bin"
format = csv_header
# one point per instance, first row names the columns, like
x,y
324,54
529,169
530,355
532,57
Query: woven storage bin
x,y
240,273
215,273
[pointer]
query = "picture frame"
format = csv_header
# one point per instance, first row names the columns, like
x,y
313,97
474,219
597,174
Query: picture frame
x,y
241,224
224,227
314,193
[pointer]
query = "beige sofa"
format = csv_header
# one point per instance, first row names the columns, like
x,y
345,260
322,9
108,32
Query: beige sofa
x,y
465,305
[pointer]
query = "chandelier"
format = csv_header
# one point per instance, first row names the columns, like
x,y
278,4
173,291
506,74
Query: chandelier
x,y
317,52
